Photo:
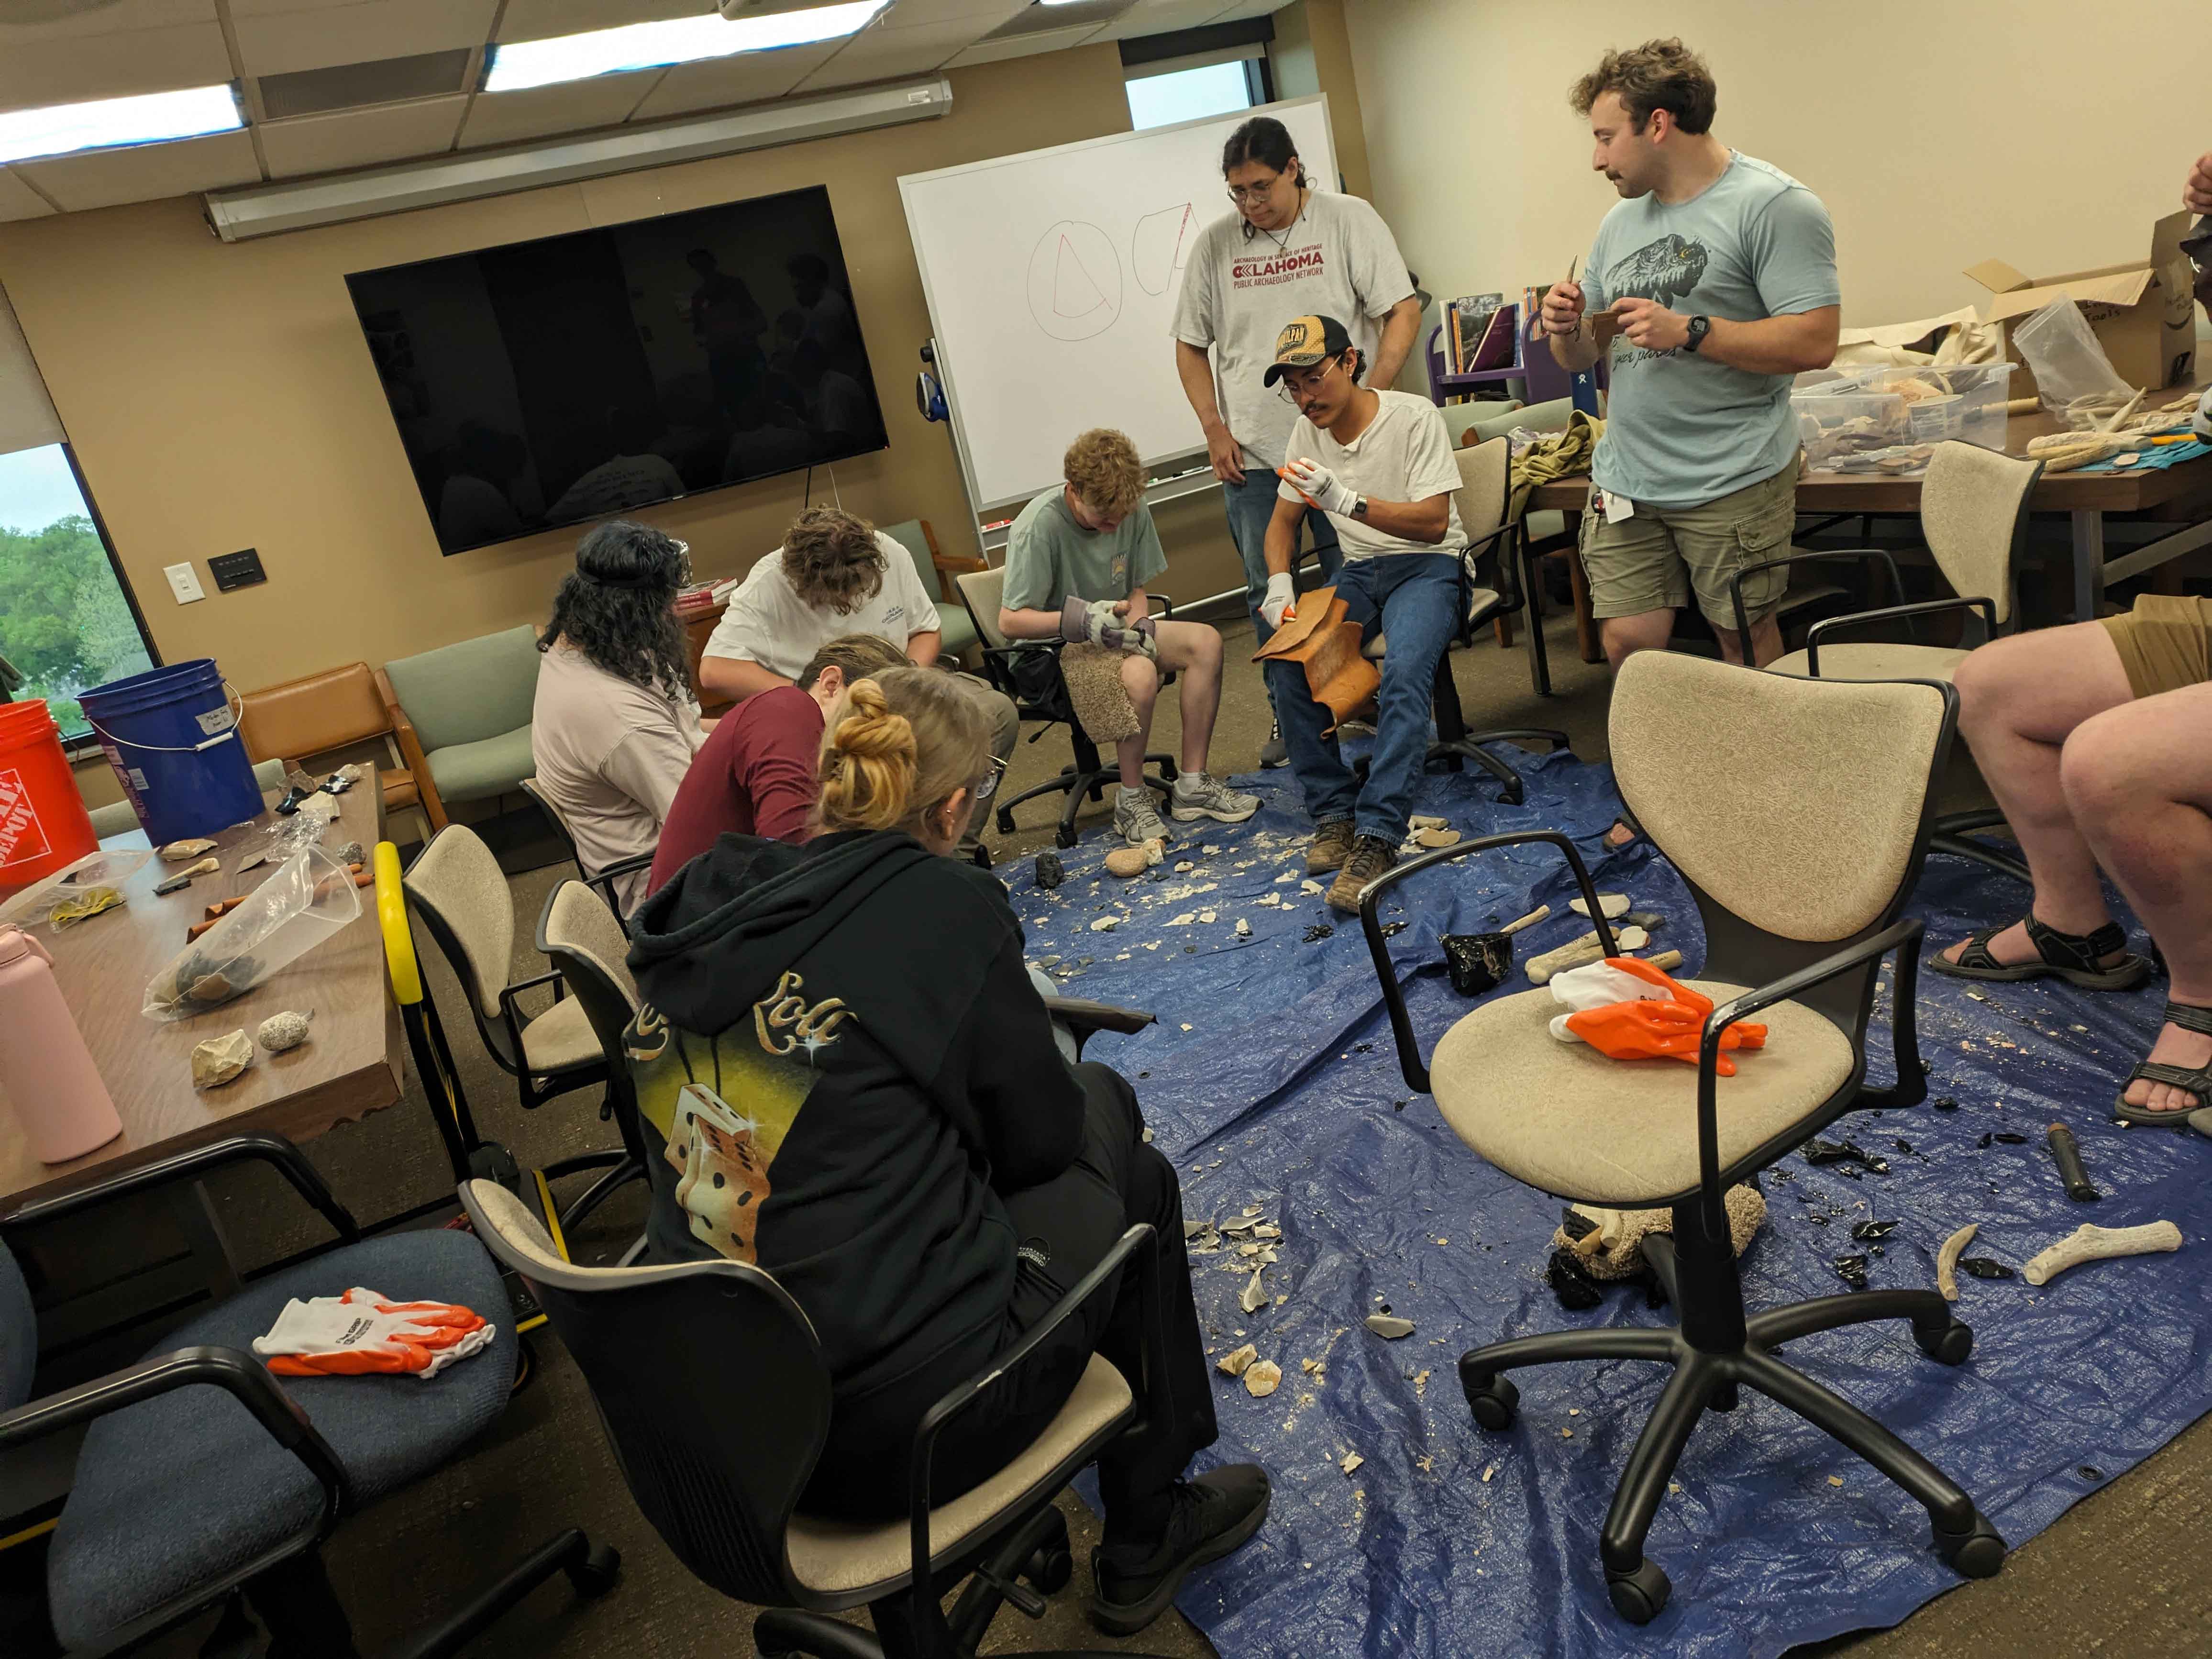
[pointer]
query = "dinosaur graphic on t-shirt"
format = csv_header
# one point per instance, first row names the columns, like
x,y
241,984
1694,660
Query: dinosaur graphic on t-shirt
x,y
1663,271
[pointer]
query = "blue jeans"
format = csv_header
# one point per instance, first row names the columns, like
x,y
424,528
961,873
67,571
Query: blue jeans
x,y
1415,599
1251,505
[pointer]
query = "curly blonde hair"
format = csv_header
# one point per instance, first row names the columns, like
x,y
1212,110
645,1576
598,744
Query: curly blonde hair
x,y
1101,467
832,560
898,744
1657,75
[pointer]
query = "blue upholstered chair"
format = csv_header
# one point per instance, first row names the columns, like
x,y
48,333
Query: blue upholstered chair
x,y
202,1474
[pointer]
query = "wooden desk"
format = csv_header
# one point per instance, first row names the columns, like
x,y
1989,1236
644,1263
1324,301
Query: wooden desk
x,y
2180,492
699,628
348,1066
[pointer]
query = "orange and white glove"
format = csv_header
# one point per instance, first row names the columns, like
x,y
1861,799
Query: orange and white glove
x,y
1281,600
363,1331
1320,487
1626,1009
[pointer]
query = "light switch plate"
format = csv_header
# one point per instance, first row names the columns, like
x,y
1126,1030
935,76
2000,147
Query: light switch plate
x,y
184,582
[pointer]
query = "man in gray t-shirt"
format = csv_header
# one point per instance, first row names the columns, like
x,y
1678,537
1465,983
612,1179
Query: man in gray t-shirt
x,y
1712,283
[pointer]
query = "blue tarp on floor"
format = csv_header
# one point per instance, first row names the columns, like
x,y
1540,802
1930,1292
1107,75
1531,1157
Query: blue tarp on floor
x,y
1272,1080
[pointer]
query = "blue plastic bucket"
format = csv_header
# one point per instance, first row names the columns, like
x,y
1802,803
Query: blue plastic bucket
x,y
172,736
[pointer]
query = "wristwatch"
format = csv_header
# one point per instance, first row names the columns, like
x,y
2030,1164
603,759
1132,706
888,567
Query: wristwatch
x,y
1359,507
1699,327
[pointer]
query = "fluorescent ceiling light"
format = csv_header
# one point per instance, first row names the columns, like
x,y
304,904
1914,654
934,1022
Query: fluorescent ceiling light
x,y
678,40
150,119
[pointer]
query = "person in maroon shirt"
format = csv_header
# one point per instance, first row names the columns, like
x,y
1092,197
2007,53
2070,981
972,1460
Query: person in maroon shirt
x,y
757,773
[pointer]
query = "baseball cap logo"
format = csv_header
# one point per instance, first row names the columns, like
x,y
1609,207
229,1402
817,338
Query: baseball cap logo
x,y
1297,335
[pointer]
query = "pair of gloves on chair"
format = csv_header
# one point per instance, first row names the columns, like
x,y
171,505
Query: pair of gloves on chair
x,y
362,1331
1626,1009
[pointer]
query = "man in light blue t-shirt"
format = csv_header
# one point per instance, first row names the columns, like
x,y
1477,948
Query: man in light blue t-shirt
x,y
1713,283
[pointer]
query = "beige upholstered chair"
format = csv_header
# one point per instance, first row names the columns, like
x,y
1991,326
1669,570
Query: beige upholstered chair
x,y
659,1347
1974,511
1480,498
457,889
605,883
1801,852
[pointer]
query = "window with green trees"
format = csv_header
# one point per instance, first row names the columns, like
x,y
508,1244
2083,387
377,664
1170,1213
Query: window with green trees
x,y
66,622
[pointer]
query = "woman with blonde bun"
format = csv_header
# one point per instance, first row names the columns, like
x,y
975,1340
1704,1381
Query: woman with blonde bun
x,y
846,1077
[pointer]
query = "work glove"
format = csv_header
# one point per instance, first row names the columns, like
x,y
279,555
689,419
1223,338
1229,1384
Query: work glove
x,y
1281,601
362,1331
1092,622
1320,487
1656,1030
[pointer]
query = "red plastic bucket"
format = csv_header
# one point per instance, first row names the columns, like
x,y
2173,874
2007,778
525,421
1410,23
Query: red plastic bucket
x,y
43,824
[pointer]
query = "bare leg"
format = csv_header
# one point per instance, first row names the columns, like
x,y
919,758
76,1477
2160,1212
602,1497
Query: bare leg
x,y
1142,681
1192,651
1766,643
1623,637
2020,699
2138,779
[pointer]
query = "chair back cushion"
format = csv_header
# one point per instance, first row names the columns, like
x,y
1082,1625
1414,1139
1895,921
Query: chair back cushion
x,y
709,1380
459,885
1971,508
19,1335
1795,804
1481,497
983,592
913,536
577,923
313,714
468,692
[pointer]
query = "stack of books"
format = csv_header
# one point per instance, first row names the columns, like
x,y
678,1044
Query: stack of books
x,y
1481,331
704,596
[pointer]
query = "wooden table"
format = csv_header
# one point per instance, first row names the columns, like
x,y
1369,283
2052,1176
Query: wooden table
x,y
2179,493
348,1066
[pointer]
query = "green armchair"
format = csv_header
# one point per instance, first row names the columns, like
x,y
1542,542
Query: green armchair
x,y
920,544
462,715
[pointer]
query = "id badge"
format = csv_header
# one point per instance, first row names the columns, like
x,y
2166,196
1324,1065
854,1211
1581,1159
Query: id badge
x,y
1618,509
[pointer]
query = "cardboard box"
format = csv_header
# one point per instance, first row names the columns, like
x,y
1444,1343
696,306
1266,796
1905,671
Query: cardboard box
x,y
2142,313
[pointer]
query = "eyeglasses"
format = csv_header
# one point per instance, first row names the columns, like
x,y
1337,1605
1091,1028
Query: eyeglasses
x,y
988,785
1289,394
1245,194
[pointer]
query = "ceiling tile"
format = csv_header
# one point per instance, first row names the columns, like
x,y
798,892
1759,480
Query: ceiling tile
x,y
913,14
18,200
1252,9
111,19
360,138
509,117
744,78
1022,45
1159,16
878,54
276,42
145,172
60,71
542,20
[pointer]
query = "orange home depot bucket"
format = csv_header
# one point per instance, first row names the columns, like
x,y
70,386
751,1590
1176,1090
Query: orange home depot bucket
x,y
43,823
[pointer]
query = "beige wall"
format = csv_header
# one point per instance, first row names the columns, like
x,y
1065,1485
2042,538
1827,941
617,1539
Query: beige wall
x,y
2043,132
220,397
1312,53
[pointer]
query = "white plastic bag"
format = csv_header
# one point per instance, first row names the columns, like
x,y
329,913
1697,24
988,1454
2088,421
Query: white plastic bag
x,y
308,900
2075,379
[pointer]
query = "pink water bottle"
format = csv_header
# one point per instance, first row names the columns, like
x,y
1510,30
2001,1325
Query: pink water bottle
x,y
47,1071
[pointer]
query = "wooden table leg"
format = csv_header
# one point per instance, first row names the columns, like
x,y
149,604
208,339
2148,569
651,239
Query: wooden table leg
x,y
1586,640
2089,563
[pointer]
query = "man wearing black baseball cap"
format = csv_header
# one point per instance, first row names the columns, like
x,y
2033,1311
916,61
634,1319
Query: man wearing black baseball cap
x,y
1380,465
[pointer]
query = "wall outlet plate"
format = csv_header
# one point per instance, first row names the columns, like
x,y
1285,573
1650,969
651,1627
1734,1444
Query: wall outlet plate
x,y
239,569
184,582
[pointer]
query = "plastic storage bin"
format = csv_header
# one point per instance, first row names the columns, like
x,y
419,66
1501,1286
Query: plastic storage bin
x,y
1889,421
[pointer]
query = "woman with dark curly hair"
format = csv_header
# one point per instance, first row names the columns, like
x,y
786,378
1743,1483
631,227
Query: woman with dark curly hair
x,y
615,724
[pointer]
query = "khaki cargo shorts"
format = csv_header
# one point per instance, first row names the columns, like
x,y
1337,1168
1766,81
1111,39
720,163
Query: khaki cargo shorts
x,y
2165,643
1656,559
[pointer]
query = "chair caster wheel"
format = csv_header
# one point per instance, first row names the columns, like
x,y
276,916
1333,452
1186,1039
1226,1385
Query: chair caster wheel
x,y
1976,1552
1049,1569
1509,798
1639,1596
1949,1346
1063,837
1494,1405
598,1572
1005,822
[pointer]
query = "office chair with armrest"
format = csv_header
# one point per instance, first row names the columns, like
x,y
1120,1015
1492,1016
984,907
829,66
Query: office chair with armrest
x,y
1801,852
602,882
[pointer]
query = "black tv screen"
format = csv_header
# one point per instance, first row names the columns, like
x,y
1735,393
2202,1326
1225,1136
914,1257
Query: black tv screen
x,y
576,377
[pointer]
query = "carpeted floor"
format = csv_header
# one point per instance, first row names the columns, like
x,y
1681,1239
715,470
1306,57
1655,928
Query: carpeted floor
x,y
2113,1575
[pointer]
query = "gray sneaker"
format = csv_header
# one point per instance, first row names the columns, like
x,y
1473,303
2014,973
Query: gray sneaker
x,y
1275,751
1136,820
1201,795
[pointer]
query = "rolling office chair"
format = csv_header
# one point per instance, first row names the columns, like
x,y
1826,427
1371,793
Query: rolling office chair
x,y
602,881
1801,853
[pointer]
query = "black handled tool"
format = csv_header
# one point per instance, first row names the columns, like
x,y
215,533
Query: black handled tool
x,y
2064,1148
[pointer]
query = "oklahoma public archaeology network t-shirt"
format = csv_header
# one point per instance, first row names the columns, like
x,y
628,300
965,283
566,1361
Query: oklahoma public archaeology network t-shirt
x,y
1238,290
1404,455
1681,430
765,622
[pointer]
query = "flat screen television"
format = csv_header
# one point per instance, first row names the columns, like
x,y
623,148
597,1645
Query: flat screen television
x,y
573,377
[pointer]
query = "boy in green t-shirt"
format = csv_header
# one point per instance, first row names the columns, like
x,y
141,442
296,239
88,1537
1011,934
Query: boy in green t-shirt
x,y
1092,540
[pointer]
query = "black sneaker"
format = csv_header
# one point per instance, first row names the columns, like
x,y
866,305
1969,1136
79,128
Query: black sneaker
x,y
1213,1516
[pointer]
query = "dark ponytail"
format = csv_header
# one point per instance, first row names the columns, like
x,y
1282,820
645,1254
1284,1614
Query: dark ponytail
x,y
1267,141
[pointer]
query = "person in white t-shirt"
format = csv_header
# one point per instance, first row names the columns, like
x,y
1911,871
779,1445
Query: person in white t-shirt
x,y
1380,465
1288,248
834,575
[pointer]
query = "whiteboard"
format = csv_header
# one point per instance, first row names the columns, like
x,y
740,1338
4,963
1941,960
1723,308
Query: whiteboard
x,y
1052,278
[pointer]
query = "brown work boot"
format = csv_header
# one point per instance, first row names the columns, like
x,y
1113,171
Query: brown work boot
x,y
1371,857
1329,847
